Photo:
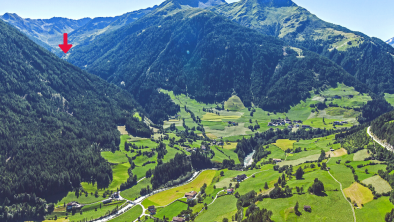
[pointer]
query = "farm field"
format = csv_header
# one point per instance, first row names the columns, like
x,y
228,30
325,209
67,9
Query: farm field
x,y
171,210
380,185
166,197
130,215
223,207
358,194
375,210
285,144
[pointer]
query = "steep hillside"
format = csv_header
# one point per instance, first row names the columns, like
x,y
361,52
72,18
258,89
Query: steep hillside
x,y
197,52
368,59
102,25
45,32
55,120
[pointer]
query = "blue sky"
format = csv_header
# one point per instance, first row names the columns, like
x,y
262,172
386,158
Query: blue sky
x,y
372,17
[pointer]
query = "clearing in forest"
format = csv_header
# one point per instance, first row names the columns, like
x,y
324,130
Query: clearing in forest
x,y
380,185
285,144
301,160
122,130
358,194
234,103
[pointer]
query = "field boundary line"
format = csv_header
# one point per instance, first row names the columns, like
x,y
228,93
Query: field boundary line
x,y
340,185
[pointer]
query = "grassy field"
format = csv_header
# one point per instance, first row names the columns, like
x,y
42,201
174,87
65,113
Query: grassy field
x,y
389,98
166,197
216,118
137,115
223,207
343,174
230,146
322,207
120,175
328,123
285,144
134,192
380,185
361,155
358,194
234,103
375,210
130,215
89,212
81,199
300,160
116,157
171,210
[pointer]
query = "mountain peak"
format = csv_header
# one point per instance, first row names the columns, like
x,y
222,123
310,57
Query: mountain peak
x,y
200,3
11,16
277,3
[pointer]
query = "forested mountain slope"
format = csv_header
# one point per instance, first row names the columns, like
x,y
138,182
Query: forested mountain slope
x,y
383,127
200,53
370,60
55,120
45,32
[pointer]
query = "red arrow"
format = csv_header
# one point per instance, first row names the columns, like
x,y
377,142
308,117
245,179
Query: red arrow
x,y
65,47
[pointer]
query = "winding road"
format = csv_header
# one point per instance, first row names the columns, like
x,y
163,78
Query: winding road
x,y
385,145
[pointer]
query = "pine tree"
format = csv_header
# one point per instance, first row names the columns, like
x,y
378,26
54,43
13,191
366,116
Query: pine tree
x,y
266,186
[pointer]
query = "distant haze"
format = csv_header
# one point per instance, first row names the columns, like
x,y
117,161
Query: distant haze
x,y
373,18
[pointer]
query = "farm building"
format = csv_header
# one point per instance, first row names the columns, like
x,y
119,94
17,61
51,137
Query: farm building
x,y
178,219
277,160
306,126
307,208
107,201
241,177
190,195
203,147
152,209
73,205
230,191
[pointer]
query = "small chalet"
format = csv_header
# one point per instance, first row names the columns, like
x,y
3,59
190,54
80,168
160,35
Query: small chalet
x,y
290,126
203,147
214,142
220,143
74,205
241,177
344,122
270,124
152,209
178,219
190,195
337,123
115,195
277,160
230,191
307,208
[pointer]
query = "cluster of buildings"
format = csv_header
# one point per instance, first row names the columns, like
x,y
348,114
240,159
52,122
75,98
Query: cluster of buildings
x,y
340,123
219,143
283,122
152,210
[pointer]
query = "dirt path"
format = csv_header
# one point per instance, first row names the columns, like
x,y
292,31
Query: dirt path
x,y
340,185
